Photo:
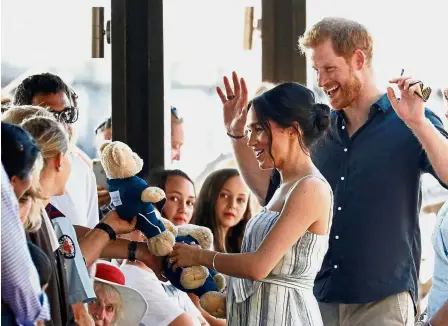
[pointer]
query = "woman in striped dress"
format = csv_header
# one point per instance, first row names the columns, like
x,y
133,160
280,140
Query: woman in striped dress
x,y
284,245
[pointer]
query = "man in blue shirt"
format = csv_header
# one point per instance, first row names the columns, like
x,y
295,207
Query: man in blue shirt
x,y
373,157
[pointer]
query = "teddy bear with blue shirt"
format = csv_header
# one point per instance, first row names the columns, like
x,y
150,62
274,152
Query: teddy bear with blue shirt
x,y
132,197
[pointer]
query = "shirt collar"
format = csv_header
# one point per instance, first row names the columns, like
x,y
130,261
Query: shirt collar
x,y
382,104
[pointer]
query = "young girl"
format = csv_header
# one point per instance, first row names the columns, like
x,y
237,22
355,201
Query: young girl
x,y
180,194
223,207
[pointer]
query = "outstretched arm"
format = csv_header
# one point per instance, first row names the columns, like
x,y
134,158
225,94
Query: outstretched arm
x,y
411,109
308,203
235,112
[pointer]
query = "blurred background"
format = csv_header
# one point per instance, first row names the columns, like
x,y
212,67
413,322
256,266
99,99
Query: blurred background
x,y
203,40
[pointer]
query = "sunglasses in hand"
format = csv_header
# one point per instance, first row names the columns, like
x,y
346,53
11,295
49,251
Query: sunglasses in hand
x,y
69,115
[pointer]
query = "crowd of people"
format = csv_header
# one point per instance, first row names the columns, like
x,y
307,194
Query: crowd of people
x,y
335,242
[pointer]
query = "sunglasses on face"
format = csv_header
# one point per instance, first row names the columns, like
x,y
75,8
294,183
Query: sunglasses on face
x,y
69,115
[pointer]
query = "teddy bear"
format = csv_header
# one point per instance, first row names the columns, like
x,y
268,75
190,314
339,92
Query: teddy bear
x,y
132,197
206,283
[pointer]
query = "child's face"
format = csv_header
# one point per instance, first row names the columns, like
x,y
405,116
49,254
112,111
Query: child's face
x,y
232,202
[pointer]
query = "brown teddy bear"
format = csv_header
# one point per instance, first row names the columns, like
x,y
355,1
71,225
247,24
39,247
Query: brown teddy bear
x,y
132,197
206,283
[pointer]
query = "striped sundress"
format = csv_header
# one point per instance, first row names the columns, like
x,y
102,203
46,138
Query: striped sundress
x,y
285,297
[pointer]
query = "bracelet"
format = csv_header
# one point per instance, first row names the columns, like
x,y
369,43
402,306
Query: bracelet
x,y
108,229
132,248
235,137
213,262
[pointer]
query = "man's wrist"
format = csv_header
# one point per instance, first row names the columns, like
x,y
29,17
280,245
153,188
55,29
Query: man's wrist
x,y
141,251
420,126
106,227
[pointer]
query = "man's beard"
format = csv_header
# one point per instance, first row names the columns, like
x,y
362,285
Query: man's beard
x,y
349,92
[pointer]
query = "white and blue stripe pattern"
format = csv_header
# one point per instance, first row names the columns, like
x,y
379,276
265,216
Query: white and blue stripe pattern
x,y
20,282
285,297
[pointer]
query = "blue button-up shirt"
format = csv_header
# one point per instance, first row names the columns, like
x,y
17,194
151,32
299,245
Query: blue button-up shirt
x,y
21,289
374,246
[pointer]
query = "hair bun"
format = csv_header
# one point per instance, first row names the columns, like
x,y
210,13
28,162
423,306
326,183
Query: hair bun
x,y
321,114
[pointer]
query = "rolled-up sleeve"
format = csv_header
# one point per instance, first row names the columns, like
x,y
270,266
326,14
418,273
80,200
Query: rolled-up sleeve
x,y
20,289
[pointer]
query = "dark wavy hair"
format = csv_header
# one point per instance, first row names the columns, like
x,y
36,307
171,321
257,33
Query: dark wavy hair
x,y
45,83
204,213
159,177
288,103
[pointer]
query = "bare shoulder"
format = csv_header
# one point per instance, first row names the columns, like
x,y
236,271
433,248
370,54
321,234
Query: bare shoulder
x,y
311,187
312,196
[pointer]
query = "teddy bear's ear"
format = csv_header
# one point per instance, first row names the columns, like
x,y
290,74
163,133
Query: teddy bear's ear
x,y
105,150
103,145
117,153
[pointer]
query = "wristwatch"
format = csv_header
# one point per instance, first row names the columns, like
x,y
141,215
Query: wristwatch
x,y
131,251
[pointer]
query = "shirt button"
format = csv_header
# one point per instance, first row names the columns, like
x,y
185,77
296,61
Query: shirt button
x,y
343,127
339,208
345,149
342,178
336,237
335,266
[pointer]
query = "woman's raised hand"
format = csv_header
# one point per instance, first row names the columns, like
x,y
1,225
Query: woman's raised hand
x,y
234,104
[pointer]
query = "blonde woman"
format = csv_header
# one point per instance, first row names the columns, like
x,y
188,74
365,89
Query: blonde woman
x,y
53,142
70,264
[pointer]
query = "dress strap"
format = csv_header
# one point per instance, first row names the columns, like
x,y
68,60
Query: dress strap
x,y
329,187
308,176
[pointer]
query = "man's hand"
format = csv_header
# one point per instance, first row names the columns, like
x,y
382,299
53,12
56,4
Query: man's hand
x,y
119,225
103,196
410,107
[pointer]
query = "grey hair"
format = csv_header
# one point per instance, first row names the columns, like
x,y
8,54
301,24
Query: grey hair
x,y
111,292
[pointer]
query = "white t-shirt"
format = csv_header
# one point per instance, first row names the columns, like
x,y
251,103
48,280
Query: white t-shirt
x,y
80,201
162,309
183,300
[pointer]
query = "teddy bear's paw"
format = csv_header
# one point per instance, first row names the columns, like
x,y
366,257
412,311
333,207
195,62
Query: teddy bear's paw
x,y
214,303
202,234
169,226
220,281
193,277
153,195
162,244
